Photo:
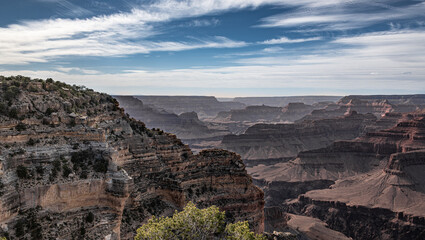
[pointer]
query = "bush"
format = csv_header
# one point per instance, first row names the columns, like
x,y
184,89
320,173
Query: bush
x,y
49,111
11,93
31,142
90,217
194,223
21,127
22,172
66,171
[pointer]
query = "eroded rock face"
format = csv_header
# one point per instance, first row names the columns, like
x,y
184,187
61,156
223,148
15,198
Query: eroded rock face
x,y
268,142
383,197
202,105
80,168
263,113
379,105
283,101
186,126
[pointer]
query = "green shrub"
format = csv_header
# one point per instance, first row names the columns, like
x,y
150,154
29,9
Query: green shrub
x,y
195,223
66,171
49,111
11,93
90,217
21,127
31,142
22,172
13,113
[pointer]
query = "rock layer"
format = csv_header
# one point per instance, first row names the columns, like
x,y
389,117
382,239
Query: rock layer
x,y
73,165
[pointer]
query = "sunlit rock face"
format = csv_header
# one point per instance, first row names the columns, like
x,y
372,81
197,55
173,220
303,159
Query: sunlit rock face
x,y
74,166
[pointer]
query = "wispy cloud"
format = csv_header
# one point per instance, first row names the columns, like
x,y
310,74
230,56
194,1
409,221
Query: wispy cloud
x,y
110,35
202,23
348,15
68,9
378,61
283,40
77,70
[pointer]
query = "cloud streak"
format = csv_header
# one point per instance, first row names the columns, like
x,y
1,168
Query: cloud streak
x,y
344,16
283,40
377,61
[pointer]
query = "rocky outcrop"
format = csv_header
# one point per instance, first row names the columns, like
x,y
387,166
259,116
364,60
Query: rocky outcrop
x,y
283,101
416,99
263,113
204,106
74,166
379,189
271,143
186,126
379,105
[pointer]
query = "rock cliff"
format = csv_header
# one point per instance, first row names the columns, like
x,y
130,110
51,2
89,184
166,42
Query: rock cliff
x,y
186,126
378,105
379,186
204,106
283,101
268,143
263,113
74,166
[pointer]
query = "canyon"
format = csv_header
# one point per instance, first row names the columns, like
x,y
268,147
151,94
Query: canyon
x,y
77,164
325,172
74,166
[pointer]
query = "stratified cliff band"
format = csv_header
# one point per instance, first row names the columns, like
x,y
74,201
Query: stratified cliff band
x,y
74,166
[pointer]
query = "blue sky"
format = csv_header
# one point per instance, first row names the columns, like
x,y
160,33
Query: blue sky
x,y
222,48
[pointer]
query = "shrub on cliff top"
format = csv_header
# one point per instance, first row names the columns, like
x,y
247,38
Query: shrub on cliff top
x,y
22,172
195,223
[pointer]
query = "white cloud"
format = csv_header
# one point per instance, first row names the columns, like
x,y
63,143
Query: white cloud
x,y
283,40
388,61
201,23
120,33
109,35
344,15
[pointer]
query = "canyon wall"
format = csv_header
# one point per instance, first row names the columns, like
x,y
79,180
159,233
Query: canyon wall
x,y
74,166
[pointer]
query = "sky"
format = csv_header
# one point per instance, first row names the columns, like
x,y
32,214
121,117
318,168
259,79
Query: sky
x,y
224,48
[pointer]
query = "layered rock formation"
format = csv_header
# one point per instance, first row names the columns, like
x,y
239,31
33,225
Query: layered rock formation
x,y
289,113
283,101
202,105
379,186
186,126
378,105
74,166
268,143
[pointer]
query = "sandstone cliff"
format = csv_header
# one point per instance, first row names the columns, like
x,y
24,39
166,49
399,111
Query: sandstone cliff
x,y
379,186
74,166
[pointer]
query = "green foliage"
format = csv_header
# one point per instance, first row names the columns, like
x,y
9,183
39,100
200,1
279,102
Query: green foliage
x,y
195,223
21,127
66,171
31,142
11,93
22,172
49,111
240,230
90,217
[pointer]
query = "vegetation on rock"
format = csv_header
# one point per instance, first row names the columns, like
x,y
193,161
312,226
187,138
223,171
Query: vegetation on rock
x,y
195,223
